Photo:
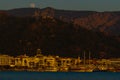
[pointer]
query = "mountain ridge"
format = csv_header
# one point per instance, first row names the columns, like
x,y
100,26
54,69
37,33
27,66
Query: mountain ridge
x,y
107,22
68,35
24,35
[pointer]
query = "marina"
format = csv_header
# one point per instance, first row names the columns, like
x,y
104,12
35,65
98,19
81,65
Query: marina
x,y
42,63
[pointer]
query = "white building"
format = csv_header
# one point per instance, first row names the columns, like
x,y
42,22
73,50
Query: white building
x,y
6,60
21,60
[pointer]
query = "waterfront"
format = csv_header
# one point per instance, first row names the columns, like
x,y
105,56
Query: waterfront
x,y
23,75
42,63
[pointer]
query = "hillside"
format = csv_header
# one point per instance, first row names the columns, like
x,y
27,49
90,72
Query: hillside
x,y
20,35
106,22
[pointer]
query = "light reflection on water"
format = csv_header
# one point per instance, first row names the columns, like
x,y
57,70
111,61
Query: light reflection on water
x,y
8,75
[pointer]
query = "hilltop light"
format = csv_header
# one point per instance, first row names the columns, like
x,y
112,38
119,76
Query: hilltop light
x,y
32,5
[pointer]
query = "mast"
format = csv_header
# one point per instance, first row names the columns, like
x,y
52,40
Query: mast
x,y
84,57
89,57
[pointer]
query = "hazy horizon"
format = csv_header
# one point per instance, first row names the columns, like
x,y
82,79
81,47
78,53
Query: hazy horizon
x,y
90,5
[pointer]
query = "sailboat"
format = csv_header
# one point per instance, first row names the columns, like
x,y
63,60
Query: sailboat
x,y
88,67
84,67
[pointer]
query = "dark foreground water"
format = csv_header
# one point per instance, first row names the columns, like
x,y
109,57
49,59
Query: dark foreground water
x,y
9,75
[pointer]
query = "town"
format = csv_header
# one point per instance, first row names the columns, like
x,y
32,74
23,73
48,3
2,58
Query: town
x,y
51,63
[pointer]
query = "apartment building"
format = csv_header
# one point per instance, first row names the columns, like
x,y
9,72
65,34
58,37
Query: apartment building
x,y
6,60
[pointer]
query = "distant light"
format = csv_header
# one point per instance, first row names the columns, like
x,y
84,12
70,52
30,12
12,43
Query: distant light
x,y
32,5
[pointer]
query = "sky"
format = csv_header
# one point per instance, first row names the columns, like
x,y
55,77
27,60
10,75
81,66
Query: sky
x,y
92,5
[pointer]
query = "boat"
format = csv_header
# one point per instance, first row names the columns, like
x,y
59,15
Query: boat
x,y
51,69
98,70
101,68
63,69
84,67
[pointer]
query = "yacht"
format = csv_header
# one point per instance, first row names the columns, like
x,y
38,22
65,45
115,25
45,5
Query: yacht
x,y
84,67
51,69
64,69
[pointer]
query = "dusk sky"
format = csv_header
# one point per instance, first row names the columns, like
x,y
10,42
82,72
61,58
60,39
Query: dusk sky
x,y
94,5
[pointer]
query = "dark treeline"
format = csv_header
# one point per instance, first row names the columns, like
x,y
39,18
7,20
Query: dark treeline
x,y
20,35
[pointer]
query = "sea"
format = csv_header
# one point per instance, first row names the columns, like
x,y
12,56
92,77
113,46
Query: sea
x,y
25,75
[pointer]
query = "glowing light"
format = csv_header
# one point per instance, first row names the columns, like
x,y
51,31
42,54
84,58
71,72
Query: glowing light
x,y
32,5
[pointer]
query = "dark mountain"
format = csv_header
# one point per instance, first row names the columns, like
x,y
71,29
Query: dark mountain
x,y
50,11
20,35
106,22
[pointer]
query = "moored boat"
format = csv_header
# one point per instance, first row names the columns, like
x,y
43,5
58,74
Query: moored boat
x,y
51,69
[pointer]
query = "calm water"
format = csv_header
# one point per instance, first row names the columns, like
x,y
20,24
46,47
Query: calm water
x,y
8,75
